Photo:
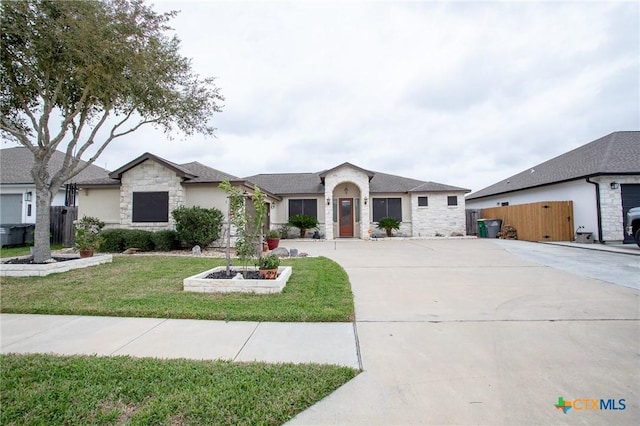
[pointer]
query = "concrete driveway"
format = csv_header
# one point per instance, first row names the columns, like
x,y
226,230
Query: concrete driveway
x,y
471,332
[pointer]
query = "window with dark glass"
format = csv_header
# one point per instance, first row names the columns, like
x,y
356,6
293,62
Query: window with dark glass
x,y
387,207
452,200
151,206
307,207
423,201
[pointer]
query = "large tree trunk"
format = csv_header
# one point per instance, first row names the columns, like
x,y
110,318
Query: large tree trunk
x,y
42,239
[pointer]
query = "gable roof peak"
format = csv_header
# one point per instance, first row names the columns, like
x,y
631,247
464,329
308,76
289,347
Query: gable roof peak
x,y
179,170
369,173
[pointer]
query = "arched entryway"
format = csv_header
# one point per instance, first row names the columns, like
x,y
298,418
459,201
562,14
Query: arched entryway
x,y
346,210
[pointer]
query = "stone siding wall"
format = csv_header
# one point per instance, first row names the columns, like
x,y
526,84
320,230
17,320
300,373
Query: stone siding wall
x,y
611,206
438,217
149,177
344,175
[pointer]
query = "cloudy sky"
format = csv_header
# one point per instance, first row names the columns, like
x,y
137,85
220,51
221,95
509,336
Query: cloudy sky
x,y
462,93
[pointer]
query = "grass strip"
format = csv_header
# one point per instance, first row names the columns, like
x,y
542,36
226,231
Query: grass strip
x,y
47,389
22,251
151,286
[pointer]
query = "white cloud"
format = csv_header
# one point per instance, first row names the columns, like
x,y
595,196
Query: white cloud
x,y
460,93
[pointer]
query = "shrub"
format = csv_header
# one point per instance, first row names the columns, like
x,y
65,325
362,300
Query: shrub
x,y
87,233
272,233
388,224
303,222
118,240
113,240
284,231
139,238
269,262
197,225
165,240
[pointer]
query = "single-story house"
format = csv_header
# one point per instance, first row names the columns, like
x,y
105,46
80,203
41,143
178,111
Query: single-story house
x,y
601,178
347,200
18,191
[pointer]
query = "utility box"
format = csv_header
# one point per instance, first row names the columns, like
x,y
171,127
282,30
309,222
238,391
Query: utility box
x,y
584,237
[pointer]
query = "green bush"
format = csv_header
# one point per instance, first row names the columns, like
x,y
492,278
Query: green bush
x,y
165,240
388,224
303,222
197,225
118,240
113,240
139,238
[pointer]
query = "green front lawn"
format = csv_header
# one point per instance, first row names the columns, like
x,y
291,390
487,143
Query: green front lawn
x,y
151,286
22,251
46,389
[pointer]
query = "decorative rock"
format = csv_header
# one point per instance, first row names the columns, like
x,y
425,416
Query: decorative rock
x,y
238,277
303,255
131,250
196,250
293,252
280,252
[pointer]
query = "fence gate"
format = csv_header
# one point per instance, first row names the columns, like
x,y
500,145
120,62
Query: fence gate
x,y
543,221
61,224
472,216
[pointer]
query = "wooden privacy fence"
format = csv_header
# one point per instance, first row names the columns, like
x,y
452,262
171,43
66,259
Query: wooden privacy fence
x,y
544,221
61,224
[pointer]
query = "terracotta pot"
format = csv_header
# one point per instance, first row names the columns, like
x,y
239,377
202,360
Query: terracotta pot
x,y
273,243
265,246
86,253
268,274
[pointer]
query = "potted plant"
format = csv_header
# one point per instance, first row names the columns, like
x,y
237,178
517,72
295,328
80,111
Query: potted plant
x,y
273,239
388,224
87,237
303,222
268,266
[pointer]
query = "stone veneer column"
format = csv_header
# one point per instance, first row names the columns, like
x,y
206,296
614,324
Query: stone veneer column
x,y
611,206
340,176
149,177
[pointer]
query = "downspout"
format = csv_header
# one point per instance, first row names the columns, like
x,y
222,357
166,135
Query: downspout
x,y
599,216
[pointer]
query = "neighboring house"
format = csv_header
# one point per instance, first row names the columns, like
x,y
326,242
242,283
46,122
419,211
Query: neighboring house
x,y
601,178
17,190
347,200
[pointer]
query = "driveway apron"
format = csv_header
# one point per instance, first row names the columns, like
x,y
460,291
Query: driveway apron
x,y
465,332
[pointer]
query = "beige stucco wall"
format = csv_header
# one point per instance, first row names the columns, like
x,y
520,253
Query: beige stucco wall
x,y
102,203
406,227
206,196
279,214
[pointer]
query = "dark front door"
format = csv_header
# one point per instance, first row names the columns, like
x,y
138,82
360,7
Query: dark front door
x,y
346,217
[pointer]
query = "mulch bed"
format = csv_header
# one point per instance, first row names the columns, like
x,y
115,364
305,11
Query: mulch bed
x,y
222,275
29,260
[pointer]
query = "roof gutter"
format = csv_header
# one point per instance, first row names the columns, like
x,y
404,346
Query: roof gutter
x,y
599,215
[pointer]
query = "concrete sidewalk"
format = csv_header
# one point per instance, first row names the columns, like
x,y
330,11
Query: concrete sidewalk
x,y
326,343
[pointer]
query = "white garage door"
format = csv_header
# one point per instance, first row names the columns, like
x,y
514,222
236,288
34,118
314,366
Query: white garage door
x,y
11,208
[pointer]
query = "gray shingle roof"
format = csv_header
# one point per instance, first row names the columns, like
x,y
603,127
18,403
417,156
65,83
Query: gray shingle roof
x,y
289,183
193,172
16,163
614,154
206,174
311,183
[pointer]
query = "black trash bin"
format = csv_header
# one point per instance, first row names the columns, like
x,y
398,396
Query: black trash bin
x,y
493,227
13,234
